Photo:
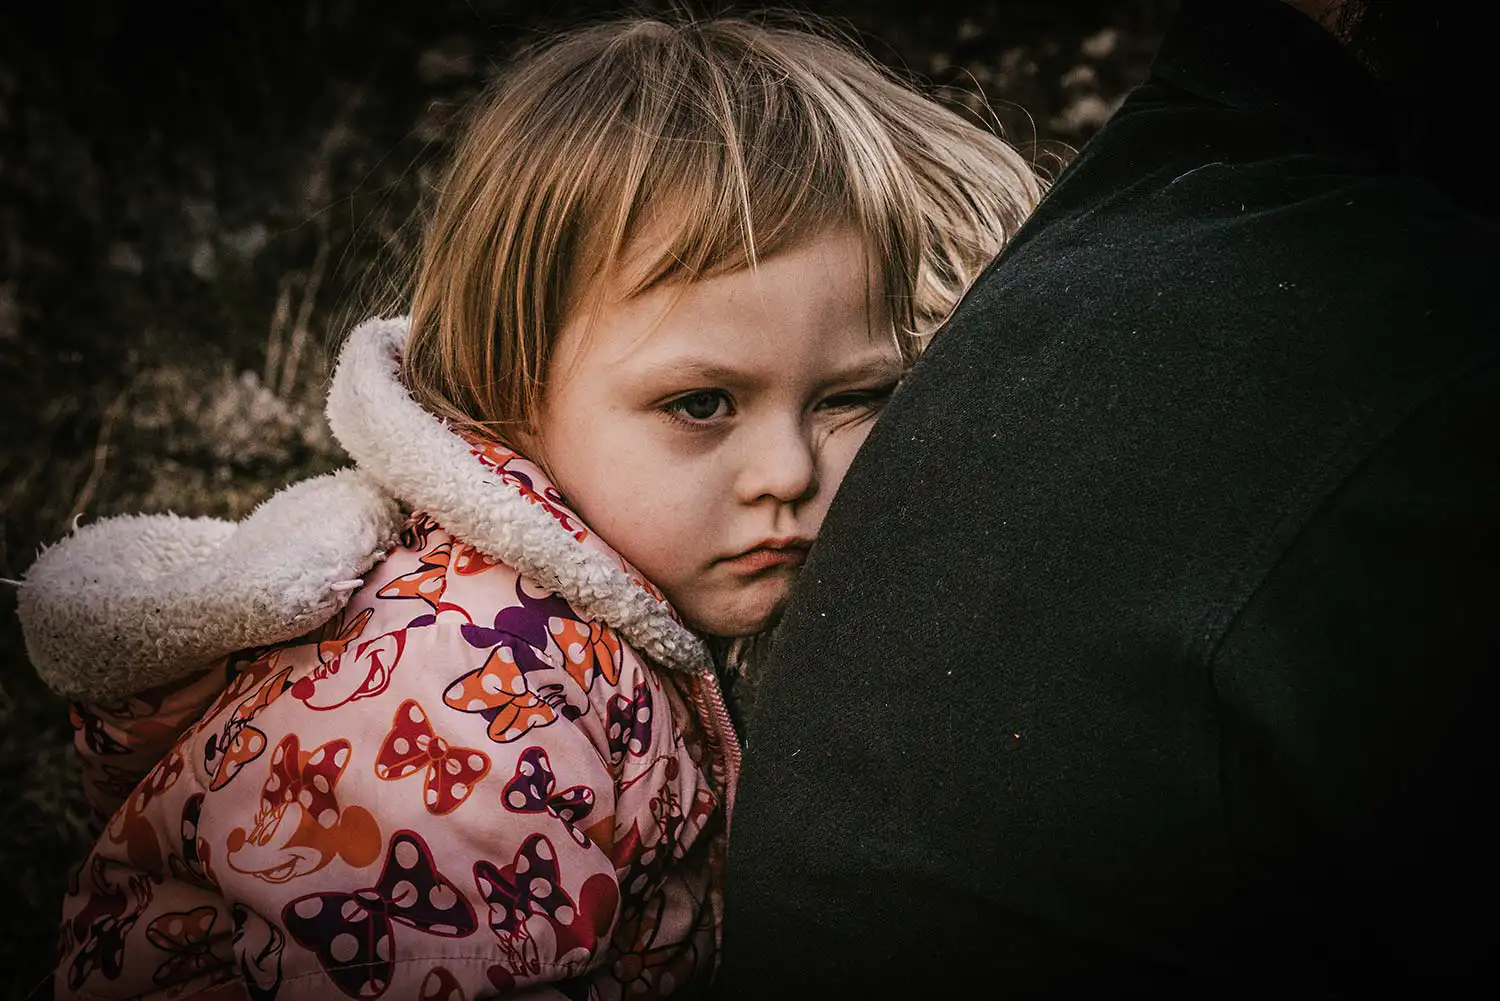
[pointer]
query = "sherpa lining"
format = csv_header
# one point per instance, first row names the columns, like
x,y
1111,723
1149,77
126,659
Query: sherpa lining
x,y
417,458
132,602
137,601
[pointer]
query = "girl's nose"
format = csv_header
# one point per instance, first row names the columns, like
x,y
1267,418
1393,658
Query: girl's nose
x,y
780,464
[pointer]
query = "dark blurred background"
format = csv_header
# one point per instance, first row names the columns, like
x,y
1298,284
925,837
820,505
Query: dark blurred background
x,y
192,196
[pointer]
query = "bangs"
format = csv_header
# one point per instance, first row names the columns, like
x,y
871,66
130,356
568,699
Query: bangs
x,y
727,152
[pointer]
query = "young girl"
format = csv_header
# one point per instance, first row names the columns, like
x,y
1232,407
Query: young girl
x,y
446,725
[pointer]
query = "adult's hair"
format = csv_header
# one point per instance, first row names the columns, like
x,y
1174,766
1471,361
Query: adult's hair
x,y
1403,42
1427,58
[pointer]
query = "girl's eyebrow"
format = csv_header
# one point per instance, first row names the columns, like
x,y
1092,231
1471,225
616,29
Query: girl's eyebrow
x,y
697,370
886,365
709,371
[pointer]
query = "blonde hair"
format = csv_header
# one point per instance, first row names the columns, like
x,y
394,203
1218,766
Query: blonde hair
x,y
731,139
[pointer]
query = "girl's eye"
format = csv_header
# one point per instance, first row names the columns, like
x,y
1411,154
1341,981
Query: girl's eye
x,y
872,398
703,405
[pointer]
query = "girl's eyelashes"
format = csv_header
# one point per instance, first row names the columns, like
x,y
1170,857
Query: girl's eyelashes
x,y
703,408
871,398
700,407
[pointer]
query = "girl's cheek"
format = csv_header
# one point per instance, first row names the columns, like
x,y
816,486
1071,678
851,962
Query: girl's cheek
x,y
845,438
839,451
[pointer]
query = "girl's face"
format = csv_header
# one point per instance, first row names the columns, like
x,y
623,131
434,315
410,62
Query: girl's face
x,y
702,429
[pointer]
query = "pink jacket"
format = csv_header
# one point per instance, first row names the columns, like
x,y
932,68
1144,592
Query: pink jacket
x,y
503,766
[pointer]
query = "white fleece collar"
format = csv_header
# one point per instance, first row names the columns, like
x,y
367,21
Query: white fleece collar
x,y
133,602
129,603
417,458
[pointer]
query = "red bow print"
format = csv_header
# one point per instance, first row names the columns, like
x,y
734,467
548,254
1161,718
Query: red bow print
x,y
300,827
412,744
304,779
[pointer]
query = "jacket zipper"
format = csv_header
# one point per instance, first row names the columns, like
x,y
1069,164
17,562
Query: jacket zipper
x,y
722,727
708,696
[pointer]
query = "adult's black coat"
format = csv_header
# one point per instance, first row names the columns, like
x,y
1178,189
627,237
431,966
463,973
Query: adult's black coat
x,y
1151,641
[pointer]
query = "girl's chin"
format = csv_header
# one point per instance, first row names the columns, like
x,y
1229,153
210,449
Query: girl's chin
x,y
745,615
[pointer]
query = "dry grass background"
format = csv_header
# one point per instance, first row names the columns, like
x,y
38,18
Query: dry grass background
x,y
189,198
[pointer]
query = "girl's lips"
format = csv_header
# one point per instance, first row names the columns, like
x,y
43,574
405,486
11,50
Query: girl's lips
x,y
766,558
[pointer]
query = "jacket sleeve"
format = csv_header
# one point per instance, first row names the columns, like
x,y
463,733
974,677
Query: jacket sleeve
x,y
445,832
141,913
131,618
119,741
